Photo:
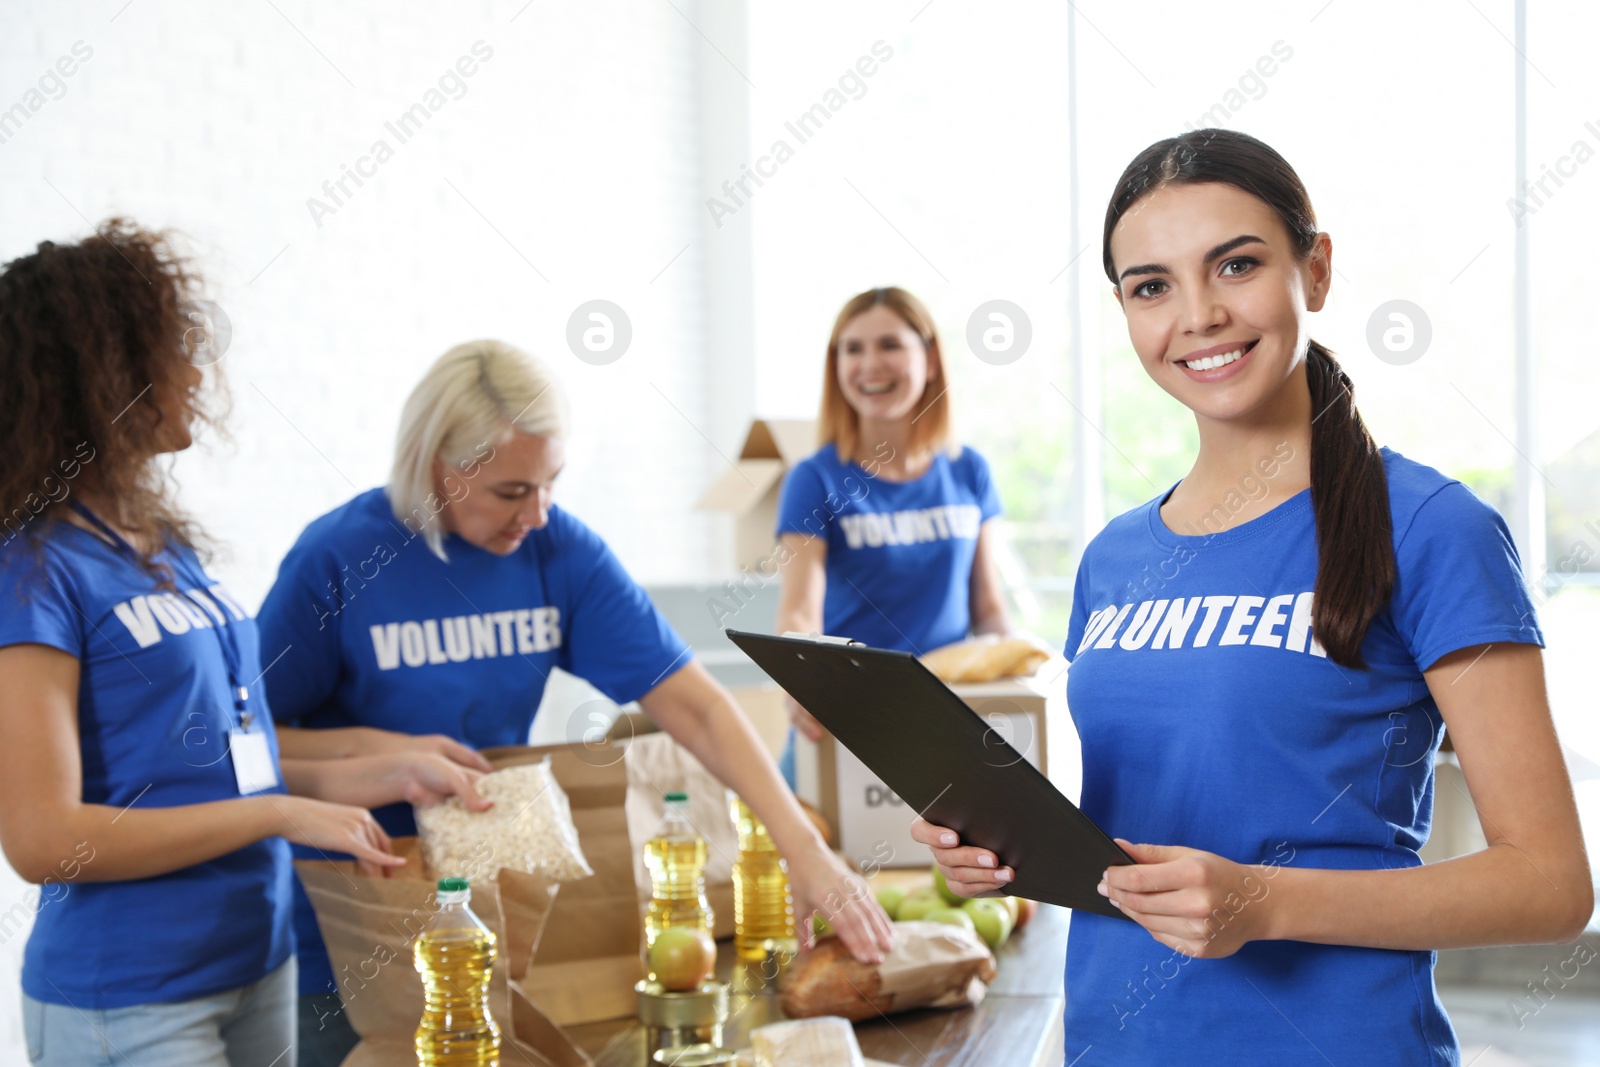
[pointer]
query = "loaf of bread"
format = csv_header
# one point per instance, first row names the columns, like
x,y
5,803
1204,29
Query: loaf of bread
x,y
986,658
931,965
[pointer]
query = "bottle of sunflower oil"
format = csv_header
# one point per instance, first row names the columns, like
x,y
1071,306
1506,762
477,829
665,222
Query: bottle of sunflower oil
x,y
676,860
763,911
454,954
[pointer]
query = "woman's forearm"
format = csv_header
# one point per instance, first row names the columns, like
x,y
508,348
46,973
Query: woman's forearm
x,y
798,621
96,843
733,752
1496,896
362,781
996,622
986,592
297,743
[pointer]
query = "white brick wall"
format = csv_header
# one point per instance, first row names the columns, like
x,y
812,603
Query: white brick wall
x,y
578,140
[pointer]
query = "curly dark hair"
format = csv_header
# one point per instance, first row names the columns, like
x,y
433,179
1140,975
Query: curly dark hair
x,y
90,334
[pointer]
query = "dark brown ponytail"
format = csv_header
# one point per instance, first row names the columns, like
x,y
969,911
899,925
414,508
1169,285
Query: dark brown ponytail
x,y
1349,490
1350,499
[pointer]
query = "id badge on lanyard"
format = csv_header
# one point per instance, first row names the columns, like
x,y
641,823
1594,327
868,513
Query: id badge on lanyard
x,y
253,764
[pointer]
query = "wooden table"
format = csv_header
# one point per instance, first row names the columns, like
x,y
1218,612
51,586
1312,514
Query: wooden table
x,y
1018,1024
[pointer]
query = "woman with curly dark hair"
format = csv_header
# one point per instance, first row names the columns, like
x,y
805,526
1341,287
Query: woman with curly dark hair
x,y
140,786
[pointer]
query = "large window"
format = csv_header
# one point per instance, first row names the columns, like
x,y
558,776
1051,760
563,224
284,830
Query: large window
x,y
950,171
945,172
1561,212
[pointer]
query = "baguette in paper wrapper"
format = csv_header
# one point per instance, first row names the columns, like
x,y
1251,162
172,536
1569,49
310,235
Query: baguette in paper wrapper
x,y
986,658
932,965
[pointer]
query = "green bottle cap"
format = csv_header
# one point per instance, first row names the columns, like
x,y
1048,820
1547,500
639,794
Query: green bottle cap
x,y
680,798
454,885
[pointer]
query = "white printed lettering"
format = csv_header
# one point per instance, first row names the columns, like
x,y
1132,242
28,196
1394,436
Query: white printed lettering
x,y
386,645
457,642
1214,606
483,644
430,634
135,615
412,649
171,619
1110,633
525,632
1175,627
1244,613
1143,625
1271,618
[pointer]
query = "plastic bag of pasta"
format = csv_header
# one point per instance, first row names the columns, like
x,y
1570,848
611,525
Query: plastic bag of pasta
x,y
528,829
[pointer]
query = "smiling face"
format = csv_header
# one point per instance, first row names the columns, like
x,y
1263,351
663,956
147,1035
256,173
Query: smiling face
x,y
883,366
493,503
1215,296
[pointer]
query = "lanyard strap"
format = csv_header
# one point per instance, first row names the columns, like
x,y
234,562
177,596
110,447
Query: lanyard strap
x,y
231,659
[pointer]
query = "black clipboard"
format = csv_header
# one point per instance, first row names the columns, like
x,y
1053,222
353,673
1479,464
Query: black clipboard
x,y
945,762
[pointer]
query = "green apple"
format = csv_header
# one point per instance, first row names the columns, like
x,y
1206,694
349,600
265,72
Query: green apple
x,y
944,890
917,905
951,917
1014,906
890,897
991,918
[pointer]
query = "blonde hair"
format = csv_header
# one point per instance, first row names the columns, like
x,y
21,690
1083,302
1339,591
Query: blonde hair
x,y
839,423
474,396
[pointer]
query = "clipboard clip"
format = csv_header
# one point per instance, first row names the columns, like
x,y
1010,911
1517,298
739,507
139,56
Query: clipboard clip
x,y
821,639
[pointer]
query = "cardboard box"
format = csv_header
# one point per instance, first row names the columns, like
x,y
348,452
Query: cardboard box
x,y
872,825
749,492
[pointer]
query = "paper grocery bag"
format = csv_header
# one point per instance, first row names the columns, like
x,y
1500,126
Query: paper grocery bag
x,y
369,925
393,1052
537,1041
658,765
589,957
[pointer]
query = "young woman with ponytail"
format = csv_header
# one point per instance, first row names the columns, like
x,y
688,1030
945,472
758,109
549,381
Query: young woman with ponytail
x,y
1264,660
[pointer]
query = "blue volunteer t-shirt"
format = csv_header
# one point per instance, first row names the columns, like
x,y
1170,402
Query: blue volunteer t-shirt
x,y
154,719
375,630
899,570
1210,717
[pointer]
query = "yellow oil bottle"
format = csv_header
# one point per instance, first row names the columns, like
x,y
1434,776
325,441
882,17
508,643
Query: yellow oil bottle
x,y
763,911
676,860
454,954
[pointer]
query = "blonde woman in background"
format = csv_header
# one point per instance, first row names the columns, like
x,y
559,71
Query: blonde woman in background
x,y
429,613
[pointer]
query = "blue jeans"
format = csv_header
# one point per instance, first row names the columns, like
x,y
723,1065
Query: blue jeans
x,y
325,1036
252,1026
